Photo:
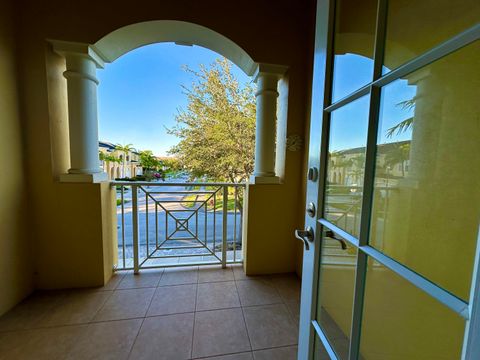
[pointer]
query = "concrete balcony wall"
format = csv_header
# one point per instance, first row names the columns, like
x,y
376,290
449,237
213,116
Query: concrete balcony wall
x,y
70,224
15,245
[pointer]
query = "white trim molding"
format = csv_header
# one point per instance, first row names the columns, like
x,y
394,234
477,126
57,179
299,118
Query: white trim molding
x,y
81,64
266,77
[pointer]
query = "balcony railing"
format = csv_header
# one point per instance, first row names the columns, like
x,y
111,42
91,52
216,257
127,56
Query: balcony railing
x,y
178,224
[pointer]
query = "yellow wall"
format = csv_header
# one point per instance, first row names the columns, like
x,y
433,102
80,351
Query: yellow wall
x,y
68,217
15,244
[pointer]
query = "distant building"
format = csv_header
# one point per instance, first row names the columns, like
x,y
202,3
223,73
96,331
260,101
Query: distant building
x,y
120,168
393,163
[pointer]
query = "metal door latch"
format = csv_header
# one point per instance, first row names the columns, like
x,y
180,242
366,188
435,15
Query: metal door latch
x,y
311,210
312,174
307,236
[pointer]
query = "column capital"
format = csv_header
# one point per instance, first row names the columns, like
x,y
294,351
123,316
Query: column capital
x,y
68,49
274,70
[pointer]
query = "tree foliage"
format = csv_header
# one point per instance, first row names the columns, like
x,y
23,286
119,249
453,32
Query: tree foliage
x,y
125,149
217,128
398,155
148,160
107,157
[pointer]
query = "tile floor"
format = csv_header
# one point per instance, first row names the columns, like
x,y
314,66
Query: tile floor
x,y
177,313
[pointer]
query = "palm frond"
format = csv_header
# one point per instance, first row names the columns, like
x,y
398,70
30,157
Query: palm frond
x,y
402,126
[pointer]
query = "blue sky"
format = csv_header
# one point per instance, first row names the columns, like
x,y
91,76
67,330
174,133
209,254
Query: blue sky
x,y
349,123
139,94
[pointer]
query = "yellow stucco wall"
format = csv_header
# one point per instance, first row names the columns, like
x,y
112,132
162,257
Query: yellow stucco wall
x,y
71,221
15,244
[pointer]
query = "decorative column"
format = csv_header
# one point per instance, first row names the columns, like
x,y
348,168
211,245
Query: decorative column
x,y
82,62
266,77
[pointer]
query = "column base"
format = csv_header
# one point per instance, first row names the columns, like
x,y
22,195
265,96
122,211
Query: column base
x,y
255,179
84,178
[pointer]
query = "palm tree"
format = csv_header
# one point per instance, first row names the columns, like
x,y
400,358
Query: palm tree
x,y
125,149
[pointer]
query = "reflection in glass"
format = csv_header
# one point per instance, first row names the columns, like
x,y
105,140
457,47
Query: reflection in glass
x,y
345,166
353,46
319,350
402,322
336,287
414,27
427,189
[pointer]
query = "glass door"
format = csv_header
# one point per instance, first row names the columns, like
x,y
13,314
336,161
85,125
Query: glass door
x,y
391,269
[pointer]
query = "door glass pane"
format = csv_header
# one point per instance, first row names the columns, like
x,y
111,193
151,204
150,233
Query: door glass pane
x,y
353,45
427,189
345,168
319,352
402,322
336,287
414,27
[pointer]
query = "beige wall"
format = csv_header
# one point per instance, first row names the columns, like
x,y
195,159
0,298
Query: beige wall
x,y
15,249
68,217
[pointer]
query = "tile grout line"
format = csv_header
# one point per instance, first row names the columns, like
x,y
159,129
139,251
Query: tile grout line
x,y
194,315
91,321
144,317
247,352
243,316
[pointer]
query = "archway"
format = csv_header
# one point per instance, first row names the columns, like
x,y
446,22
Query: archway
x,y
82,60
130,37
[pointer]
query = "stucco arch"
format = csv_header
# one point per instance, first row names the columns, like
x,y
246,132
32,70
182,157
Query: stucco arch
x,y
130,37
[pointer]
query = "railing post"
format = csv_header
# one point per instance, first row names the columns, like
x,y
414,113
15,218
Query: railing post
x,y
135,228
224,223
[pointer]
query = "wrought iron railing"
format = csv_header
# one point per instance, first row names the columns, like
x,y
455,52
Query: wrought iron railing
x,y
177,224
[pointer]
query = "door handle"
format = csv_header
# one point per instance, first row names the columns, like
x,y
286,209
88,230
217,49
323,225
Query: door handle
x,y
331,235
307,236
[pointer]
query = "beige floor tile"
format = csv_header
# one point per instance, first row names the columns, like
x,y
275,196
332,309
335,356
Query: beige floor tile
x,y
219,332
294,310
173,300
113,282
165,337
288,286
179,276
283,353
270,326
257,292
217,295
77,307
126,304
144,279
39,344
30,312
242,356
214,274
107,340
238,272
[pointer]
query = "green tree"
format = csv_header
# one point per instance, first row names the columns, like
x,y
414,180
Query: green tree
x,y
357,165
171,165
148,160
125,149
107,157
398,155
217,128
